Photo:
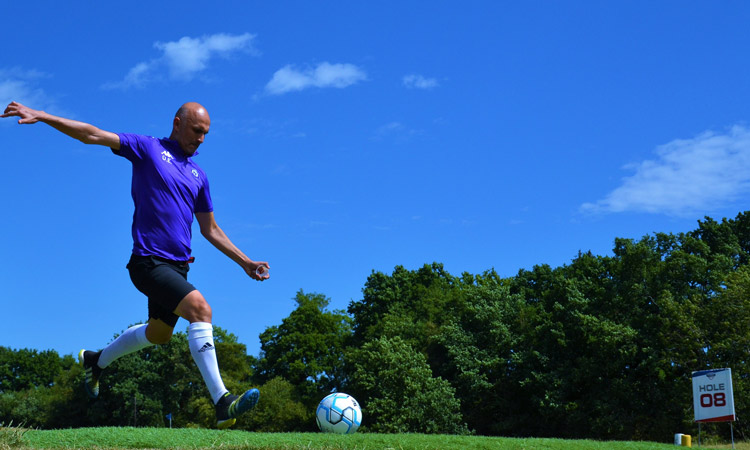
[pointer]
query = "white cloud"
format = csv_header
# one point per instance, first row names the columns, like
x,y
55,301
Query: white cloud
x,y
137,76
688,176
21,86
189,55
185,58
415,81
289,79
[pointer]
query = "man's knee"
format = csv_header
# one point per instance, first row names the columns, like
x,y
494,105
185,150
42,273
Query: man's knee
x,y
194,308
159,339
158,333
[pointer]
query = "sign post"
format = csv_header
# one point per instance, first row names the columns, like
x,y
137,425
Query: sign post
x,y
713,398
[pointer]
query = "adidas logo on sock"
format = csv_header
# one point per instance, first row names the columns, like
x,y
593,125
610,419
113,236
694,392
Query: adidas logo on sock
x,y
206,347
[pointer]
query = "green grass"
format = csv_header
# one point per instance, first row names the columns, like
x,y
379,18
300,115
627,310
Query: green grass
x,y
164,438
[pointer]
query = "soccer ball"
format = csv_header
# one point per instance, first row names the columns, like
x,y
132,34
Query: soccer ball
x,y
338,413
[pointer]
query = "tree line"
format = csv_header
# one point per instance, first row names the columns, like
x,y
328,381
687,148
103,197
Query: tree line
x,y
602,347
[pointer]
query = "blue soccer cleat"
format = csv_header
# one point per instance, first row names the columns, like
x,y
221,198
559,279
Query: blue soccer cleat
x,y
229,407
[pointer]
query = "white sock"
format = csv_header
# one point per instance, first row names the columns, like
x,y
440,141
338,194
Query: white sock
x,y
131,340
201,342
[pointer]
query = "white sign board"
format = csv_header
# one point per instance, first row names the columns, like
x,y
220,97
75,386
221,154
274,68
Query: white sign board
x,y
713,398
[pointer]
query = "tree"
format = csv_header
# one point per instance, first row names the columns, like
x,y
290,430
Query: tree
x,y
476,349
727,328
27,368
411,304
53,404
400,394
414,306
591,359
307,348
278,410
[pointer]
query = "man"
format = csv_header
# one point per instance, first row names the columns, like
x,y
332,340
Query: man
x,y
168,189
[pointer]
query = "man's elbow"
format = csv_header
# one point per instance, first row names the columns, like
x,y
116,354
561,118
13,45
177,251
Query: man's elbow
x,y
89,139
99,137
209,233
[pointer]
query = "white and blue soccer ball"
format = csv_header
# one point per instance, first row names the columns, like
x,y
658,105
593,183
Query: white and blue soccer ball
x,y
338,413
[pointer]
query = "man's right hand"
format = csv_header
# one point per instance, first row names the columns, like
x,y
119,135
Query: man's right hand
x,y
26,114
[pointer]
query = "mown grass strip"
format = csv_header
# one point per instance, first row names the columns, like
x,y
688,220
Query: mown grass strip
x,y
161,438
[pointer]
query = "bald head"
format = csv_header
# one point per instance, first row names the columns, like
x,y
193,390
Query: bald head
x,y
190,126
191,108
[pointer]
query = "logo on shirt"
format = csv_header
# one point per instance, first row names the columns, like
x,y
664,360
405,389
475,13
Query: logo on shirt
x,y
166,156
195,173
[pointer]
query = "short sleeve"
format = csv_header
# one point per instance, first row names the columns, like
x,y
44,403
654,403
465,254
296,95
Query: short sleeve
x,y
203,201
132,146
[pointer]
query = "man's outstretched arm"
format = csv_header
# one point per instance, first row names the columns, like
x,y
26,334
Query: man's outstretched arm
x,y
84,132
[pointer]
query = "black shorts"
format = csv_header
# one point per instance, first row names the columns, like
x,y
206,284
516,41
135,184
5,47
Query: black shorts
x,y
164,283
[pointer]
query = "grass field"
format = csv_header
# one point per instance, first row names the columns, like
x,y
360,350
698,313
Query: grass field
x,y
161,438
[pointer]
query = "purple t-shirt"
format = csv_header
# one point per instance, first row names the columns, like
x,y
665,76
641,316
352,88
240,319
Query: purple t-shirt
x,y
167,188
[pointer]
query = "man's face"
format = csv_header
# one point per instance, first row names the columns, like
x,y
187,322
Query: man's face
x,y
190,131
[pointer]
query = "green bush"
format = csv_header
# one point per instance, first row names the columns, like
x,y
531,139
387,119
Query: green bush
x,y
278,410
398,393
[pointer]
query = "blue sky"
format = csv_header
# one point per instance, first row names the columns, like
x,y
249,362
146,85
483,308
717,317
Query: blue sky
x,y
349,137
